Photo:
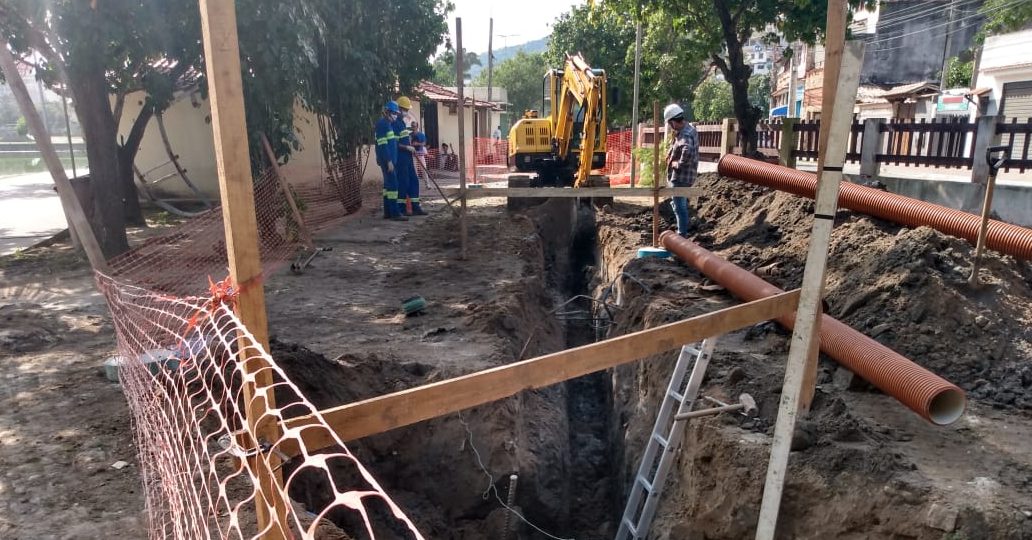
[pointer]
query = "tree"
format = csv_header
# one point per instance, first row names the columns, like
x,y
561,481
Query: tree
x,y
1002,16
521,76
308,51
958,73
444,67
713,101
722,28
759,92
670,66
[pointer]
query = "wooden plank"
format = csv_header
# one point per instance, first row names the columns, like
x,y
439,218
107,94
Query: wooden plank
x,y
549,192
844,60
77,222
306,237
222,58
461,106
383,413
655,175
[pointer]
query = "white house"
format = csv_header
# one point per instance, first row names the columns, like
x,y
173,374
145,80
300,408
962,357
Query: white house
x,y
1005,70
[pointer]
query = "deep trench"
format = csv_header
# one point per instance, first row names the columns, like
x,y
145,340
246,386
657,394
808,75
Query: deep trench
x,y
588,398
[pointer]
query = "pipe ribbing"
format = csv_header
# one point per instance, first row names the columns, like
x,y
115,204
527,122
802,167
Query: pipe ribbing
x,y
922,391
1000,236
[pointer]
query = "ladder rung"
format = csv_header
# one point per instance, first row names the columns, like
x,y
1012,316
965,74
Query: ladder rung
x,y
630,527
692,350
659,438
645,484
677,396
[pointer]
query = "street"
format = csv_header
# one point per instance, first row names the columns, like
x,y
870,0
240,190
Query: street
x,y
30,211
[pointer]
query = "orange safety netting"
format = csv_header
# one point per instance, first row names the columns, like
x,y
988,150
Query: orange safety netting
x,y
188,367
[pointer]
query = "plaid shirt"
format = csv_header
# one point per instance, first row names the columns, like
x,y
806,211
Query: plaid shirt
x,y
683,158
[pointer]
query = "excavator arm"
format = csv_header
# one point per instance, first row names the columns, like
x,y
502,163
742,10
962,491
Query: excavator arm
x,y
584,87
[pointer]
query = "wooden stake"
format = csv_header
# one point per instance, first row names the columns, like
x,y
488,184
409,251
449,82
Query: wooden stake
x,y
459,82
222,56
306,237
802,357
77,222
383,413
657,140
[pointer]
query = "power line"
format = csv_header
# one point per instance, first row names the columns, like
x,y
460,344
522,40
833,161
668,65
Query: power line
x,y
900,18
934,27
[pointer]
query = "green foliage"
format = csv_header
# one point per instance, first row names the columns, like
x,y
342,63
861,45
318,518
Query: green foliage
x,y
644,157
22,127
1002,16
670,66
444,67
759,92
521,76
958,73
713,101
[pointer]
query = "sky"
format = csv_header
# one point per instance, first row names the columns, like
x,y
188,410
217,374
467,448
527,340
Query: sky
x,y
515,21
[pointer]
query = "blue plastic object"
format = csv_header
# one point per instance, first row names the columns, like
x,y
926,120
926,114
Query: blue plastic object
x,y
659,253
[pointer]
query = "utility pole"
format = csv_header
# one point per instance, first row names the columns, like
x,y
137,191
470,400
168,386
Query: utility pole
x,y
946,45
634,104
490,57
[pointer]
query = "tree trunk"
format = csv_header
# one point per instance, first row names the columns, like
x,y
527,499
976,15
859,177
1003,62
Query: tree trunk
x,y
126,157
736,73
93,108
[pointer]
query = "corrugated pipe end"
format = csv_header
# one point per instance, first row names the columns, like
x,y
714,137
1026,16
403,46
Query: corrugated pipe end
x,y
947,406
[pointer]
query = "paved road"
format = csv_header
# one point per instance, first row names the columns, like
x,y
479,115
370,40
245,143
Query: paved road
x,y
30,211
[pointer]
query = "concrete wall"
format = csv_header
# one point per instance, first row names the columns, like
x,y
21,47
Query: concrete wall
x,y
1013,203
917,53
188,123
1005,59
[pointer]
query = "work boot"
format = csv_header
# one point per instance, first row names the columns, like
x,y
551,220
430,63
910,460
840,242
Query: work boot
x,y
418,211
398,218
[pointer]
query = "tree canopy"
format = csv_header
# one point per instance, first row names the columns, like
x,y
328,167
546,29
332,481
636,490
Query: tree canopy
x,y
1002,16
444,67
521,77
712,101
670,66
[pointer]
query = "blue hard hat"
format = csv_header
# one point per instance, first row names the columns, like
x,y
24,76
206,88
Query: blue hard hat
x,y
391,106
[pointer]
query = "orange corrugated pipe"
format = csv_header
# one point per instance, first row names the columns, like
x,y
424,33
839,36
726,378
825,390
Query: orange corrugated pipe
x,y
1000,236
934,398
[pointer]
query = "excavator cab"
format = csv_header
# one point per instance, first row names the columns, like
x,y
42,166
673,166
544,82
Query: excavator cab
x,y
569,141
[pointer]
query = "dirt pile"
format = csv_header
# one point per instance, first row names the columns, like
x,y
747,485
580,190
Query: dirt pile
x,y
865,467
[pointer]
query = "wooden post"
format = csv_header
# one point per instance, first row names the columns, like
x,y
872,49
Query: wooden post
x,y
222,57
789,141
727,136
306,237
869,147
77,222
634,104
459,82
656,147
985,132
987,206
799,373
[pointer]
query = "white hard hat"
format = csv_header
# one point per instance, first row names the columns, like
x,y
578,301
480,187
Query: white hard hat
x,y
671,111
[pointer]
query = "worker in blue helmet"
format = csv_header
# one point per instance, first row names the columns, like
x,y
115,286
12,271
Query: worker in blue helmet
x,y
387,159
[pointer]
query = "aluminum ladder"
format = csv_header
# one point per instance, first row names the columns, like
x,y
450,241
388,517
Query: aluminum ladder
x,y
664,441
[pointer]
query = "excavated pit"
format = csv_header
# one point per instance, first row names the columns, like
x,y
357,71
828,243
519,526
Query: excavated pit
x,y
863,466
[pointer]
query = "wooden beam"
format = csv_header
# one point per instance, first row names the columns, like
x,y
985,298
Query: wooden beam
x,y
77,222
550,192
656,147
383,413
460,82
306,237
842,75
222,57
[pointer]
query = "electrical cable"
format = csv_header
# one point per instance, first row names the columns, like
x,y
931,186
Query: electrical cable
x,y
491,484
1012,3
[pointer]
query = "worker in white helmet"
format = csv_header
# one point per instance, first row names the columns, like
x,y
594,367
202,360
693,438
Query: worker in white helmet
x,y
682,160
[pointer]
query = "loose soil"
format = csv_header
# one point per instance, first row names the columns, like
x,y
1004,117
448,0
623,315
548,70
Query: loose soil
x,y
865,466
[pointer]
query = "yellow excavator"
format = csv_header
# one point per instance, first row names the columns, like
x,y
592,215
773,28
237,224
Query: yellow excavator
x,y
564,146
